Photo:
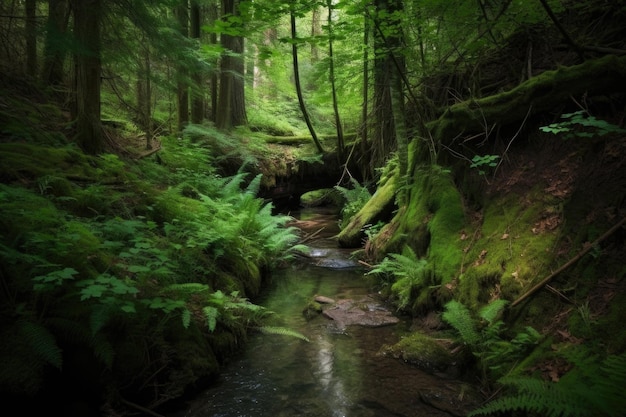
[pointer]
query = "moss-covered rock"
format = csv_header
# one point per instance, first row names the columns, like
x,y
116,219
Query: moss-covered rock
x,y
426,353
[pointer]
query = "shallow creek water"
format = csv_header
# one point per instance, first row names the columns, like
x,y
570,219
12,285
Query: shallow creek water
x,y
340,371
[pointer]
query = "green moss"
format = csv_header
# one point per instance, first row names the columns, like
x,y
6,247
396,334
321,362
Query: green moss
x,y
422,351
321,197
376,207
511,252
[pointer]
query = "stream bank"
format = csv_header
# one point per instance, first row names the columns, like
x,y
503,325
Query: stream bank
x,y
343,369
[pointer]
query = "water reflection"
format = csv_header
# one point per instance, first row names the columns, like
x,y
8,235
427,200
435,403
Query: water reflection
x,y
338,373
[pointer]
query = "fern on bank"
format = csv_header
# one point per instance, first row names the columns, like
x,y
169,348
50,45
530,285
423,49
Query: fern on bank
x,y
484,336
410,274
588,390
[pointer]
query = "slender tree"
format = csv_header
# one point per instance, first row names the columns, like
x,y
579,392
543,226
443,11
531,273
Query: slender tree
x,y
385,41
231,110
87,17
197,93
212,14
30,7
296,76
182,95
54,53
144,91
331,69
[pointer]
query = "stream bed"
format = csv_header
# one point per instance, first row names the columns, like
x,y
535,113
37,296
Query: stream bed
x,y
339,371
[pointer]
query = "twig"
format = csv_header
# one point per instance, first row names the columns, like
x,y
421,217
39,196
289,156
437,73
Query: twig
x,y
311,235
568,264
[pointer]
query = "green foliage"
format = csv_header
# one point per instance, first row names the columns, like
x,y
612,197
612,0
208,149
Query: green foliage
x,y
355,198
459,317
78,261
283,331
481,161
484,337
593,388
409,272
581,124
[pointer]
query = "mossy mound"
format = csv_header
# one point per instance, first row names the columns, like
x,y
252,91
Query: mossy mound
x,y
425,352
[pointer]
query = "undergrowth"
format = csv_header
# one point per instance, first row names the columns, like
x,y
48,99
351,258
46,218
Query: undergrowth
x,y
115,247
593,387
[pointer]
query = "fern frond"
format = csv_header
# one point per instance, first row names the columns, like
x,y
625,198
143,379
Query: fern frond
x,y
491,311
283,331
459,317
42,342
211,314
590,390
254,186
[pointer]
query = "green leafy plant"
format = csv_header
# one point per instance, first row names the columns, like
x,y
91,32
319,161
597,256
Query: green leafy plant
x,y
409,273
283,331
481,162
581,124
355,198
484,335
592,388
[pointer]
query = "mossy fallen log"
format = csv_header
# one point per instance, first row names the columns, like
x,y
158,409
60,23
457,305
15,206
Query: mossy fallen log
x,y
539,94
379,205
300,139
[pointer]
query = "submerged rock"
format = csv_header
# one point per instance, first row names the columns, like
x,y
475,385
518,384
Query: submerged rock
x,y
366,311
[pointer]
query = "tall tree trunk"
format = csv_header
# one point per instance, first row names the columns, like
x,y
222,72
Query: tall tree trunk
x,y
383,138
87,16
399,121
54,54
296,75
231,103
331,69
182,95
316,30
197,93
30,7
144,93
367,168
212,14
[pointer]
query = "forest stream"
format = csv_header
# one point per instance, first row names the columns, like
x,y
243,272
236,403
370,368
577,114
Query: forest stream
x,y
340,371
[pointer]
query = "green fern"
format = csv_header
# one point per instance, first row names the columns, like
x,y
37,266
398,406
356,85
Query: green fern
x,y
595,389
283,331
41,341
459,317
409,271
491,311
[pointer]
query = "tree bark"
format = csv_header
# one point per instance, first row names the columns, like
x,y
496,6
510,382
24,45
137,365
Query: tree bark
x,y
182,95
87,15
197,93
212,14
231,110
296,74
30,7
331,69
383,138
54,55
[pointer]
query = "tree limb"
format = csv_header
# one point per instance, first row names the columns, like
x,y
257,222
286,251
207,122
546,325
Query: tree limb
x,y
568,263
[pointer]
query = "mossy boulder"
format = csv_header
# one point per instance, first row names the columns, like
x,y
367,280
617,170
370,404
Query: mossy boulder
x,y
425,352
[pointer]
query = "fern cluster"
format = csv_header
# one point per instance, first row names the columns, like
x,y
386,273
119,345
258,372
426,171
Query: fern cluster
x,y
355,198
484,335
409,274
593,388
168,257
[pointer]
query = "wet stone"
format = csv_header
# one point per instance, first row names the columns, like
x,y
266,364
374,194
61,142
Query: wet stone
x,y
366,312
